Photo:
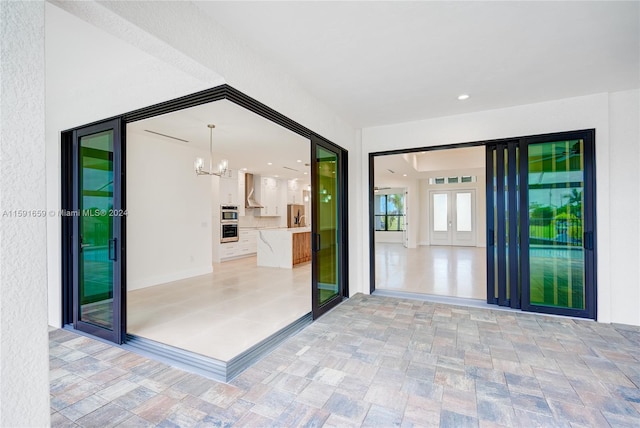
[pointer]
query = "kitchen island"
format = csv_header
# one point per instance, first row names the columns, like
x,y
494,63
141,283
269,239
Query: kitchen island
x,y
284,248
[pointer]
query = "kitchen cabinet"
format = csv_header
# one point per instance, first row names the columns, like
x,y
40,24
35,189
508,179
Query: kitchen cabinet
x,y
269,196
241,195
294,192
246,245
229,189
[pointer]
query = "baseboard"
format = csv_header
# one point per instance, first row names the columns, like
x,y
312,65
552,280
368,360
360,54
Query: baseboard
x,y
163,279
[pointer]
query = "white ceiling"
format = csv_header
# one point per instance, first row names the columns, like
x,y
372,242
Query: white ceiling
x,y
411,166
242,137
388,62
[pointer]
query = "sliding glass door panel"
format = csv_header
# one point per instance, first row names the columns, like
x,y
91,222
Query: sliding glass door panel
x,y
97,222
556,213
328,226
541,224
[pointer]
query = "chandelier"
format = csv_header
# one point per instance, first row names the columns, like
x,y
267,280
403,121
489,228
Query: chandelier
x,y
198,164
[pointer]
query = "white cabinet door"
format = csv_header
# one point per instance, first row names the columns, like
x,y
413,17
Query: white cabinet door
x,y
229,188
268,194
240,190
294,192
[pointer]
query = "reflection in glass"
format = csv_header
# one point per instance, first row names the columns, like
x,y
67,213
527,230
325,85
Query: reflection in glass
x,y
327,256
96,229
556,185
440,212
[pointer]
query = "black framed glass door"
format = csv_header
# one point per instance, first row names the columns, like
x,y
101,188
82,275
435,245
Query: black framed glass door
x,y
97,216
541,250
328,226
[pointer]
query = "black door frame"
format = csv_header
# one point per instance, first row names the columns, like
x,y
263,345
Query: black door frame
x,y
222,92
520,215
70,204
343,236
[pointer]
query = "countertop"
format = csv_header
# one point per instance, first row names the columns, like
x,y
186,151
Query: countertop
x,y
282,229
289,230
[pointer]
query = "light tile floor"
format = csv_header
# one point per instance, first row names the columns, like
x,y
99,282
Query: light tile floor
x,y
437,270
373,361
224,313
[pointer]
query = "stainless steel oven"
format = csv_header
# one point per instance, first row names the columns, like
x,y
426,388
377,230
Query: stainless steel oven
x,y
228,213
228,232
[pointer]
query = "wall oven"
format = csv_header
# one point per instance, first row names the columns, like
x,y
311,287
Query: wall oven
x,y
228,232
228,223
228,213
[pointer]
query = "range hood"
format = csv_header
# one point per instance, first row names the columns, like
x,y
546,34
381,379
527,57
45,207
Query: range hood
x,y
250,192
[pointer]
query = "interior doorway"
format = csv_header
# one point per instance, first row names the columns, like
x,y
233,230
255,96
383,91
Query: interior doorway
x,y
150,227
453,217
438,199
534,206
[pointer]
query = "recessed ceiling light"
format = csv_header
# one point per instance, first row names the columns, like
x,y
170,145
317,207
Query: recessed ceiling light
x,y
276,176
306,173
299,161
269,163
243,169
463,97
404,175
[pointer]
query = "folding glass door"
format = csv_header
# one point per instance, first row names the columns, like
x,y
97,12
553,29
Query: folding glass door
x,y
541,224
328,221
95,220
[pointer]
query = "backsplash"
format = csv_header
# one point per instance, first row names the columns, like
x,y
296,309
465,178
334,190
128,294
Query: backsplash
x,y
261,222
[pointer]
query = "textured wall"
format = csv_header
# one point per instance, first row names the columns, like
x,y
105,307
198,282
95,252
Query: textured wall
x,y
24,368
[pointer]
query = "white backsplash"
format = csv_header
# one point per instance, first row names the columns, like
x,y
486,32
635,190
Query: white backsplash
x,y
261,222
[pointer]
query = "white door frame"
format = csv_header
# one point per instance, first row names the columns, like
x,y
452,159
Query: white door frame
x,y
452,236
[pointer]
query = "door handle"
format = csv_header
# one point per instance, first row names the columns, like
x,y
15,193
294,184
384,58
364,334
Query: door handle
x,y
587,240
113,255
316,242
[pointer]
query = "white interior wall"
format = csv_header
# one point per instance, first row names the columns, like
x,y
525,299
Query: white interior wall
x,y
169,212
24,368
599,111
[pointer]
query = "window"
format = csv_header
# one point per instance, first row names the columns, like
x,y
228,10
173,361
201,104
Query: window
x,y
389,212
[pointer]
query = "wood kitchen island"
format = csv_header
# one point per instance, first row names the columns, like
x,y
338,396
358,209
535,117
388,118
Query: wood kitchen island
x,y
284,248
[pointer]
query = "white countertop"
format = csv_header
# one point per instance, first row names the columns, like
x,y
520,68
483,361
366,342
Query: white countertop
x,y
287,230
279,229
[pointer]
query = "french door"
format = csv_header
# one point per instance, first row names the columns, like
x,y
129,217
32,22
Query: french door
x,y
541,250
328,226
453,217
96,223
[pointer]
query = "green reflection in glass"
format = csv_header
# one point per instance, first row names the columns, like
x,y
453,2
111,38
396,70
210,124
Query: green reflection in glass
x,y
556,255
96,228
327,257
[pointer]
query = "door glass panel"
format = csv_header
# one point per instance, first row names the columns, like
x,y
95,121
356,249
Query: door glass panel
x,y
96,229
440,212
463,212
556,254
327,196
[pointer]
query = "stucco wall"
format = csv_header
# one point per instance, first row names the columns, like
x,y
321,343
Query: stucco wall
x,y
615,118
24,350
